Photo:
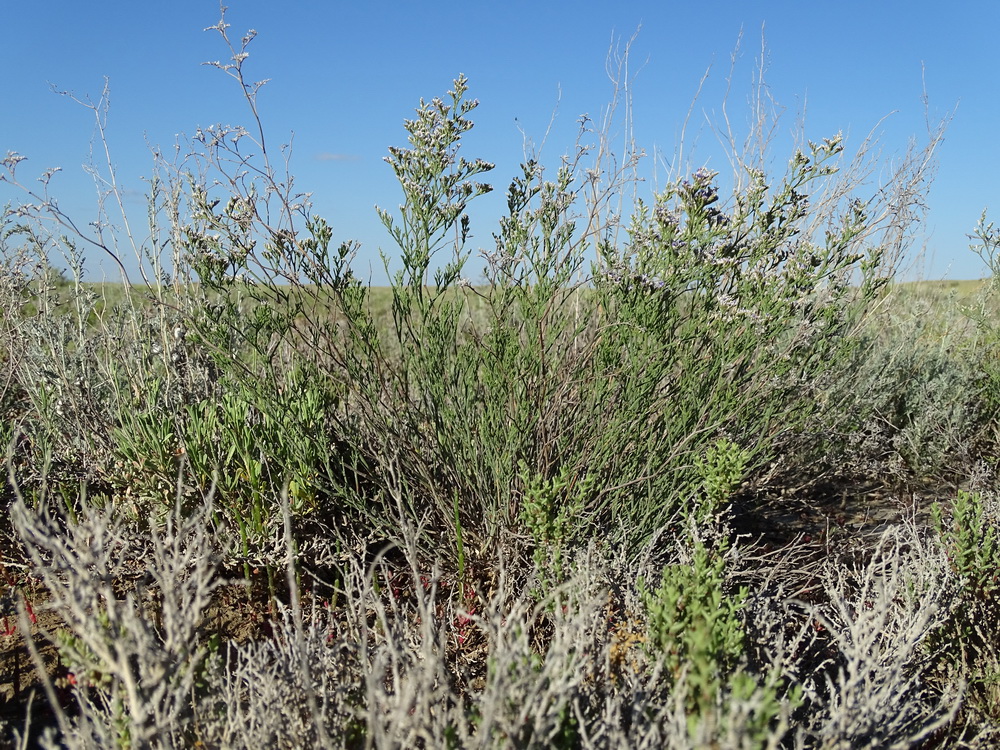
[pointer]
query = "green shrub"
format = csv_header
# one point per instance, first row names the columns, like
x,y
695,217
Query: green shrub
x,y
582,355
707,323
552,511
972,541
693,621
966,642
243,451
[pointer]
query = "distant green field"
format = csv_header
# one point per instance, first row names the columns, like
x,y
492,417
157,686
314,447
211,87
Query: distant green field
x,y
112,294
961,288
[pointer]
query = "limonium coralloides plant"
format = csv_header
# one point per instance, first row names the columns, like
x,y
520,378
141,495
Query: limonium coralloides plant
x,y
715,319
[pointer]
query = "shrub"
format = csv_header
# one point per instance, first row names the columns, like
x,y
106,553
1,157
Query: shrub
x,y
714,320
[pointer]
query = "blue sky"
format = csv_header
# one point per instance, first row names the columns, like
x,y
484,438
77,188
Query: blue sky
x,y
344,75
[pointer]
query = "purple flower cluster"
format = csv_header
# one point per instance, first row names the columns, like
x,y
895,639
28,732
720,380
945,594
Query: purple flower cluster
x,y
632,281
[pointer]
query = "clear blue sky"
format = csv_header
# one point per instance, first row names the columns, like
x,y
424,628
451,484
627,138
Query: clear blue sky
x,y
344,75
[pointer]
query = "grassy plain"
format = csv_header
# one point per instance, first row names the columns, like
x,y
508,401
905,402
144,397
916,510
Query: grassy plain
x,y
838,512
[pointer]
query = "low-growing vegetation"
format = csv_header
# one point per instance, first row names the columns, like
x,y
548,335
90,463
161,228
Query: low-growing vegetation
x,y
692,470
